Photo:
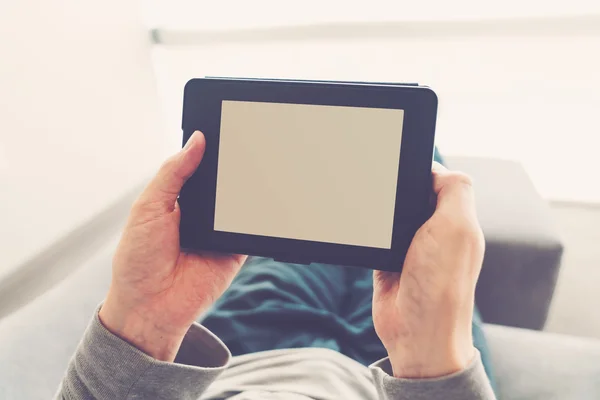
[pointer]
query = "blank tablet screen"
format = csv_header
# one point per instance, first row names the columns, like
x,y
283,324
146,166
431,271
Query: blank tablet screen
x,y
308,172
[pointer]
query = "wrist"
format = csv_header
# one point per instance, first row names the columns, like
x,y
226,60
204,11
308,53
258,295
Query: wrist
x,y
437,342
432,353
434,362
430,350
141,331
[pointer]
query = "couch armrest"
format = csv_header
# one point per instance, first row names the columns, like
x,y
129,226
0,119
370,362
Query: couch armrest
x,y
531,365
523,249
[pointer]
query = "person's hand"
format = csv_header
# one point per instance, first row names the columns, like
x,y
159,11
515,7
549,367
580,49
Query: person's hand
x,y
157,291
423,314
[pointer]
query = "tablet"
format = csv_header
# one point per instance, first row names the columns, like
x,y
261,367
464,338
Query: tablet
x,y
308,171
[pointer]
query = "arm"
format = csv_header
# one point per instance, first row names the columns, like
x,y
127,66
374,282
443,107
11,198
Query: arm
x,y
143,342
423,315
106,367
470,383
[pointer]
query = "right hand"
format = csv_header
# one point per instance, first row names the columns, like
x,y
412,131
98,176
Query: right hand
x,y
158,291
423,315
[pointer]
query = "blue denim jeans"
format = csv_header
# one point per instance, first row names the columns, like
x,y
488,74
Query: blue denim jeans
x,y
273,305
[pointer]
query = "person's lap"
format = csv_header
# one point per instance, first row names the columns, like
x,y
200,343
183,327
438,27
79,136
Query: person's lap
x,y
273,305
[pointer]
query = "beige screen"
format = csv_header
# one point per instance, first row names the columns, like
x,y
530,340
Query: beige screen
x,y
308,172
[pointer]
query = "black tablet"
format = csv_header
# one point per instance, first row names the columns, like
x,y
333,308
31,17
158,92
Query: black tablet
x,y
308,171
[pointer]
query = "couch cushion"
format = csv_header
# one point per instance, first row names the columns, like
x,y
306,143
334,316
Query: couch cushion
x,y
523,248
37,341
530,365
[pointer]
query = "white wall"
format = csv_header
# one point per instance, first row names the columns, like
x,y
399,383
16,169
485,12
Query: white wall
x,y
517,79
524,89
79,124
234,14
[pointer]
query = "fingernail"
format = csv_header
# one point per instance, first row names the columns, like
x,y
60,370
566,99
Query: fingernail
x,y
189,142
436,166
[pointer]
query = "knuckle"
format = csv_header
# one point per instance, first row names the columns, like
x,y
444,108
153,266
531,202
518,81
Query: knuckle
x,y
465,230
460,178
169,164
472,238
475,237
170,169
138,209
138,205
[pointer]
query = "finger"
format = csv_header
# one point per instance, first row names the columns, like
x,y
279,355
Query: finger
x,y
454,192
437,167
164,188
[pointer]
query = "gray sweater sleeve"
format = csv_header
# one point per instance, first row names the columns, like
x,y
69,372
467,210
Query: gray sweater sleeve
x,y
106,367
469,384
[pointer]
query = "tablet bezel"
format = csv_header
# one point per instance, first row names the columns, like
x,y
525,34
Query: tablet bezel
x,y
202,111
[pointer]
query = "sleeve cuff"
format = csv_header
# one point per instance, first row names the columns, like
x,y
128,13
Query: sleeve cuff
x,y
110,368
471,383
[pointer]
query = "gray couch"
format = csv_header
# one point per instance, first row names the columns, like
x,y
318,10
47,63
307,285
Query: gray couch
x,y
516,286
523,248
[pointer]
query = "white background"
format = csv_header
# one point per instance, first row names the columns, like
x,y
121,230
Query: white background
x,y
79,119
79,123
233,14
516,79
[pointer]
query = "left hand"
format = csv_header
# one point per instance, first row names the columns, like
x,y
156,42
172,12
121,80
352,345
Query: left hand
x,y
158,291
423,315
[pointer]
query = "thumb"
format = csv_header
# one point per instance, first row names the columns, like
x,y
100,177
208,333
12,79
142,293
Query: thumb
x,y
164,188
454,190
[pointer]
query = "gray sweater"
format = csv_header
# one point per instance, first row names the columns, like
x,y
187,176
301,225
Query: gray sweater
x,y
106,367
